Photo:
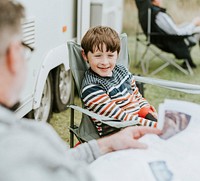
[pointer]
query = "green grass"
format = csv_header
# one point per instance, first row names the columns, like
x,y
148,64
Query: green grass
x,y
61,121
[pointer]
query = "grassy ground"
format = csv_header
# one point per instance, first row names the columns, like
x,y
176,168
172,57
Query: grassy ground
x,y
155,95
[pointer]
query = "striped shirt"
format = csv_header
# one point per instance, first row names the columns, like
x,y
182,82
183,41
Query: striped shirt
x,y
116,97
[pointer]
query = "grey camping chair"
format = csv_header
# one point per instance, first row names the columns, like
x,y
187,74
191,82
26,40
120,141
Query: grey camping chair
x,y
86,130
158,42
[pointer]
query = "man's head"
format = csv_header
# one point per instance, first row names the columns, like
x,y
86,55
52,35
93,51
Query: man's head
x,y
101,46
11,14
12,60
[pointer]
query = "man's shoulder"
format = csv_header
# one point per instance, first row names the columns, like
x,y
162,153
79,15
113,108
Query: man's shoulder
x,y
27,129
30,144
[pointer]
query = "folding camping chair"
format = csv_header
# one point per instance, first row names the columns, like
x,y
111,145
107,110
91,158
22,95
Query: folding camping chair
x,y
86,130
161,40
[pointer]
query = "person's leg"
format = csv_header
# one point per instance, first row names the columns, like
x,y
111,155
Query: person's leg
x,y
193,39
190,61
197,34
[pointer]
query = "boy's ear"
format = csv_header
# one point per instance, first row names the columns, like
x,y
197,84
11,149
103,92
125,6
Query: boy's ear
x,y
84,55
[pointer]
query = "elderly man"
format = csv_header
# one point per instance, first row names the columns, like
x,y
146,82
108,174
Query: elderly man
x,y
32,150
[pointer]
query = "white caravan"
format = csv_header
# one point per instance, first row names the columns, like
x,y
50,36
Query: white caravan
x,y
48,26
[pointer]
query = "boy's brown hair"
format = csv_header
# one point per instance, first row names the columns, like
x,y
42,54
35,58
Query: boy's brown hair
x,y
97,36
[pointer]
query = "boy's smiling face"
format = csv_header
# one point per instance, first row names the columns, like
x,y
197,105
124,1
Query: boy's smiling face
x,y
102,62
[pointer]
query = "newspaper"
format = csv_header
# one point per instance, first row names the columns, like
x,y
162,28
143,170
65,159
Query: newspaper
x,y
172,156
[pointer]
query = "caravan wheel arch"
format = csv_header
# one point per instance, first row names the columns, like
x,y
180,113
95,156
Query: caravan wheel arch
x,y
54,76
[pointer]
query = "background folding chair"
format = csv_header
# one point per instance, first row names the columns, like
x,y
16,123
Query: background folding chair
x,y
86,130
161,40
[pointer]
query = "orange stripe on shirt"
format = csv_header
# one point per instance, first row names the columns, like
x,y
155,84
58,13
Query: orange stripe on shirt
x,y
105,108
97,99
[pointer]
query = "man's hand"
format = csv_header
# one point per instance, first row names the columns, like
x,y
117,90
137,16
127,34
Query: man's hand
x,y
125,139
196,21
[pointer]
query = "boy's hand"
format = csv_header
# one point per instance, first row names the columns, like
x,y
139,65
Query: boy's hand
x,y
125,139
148,112
150,116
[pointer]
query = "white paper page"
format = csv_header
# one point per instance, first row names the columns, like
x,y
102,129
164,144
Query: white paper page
x,y
132,164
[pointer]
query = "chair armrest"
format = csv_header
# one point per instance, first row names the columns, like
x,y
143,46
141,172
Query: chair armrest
x,y
106,120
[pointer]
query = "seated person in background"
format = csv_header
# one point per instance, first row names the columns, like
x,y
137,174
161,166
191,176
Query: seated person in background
x,y
166,23
108,88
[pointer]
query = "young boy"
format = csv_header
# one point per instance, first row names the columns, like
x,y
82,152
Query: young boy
x,y
108,88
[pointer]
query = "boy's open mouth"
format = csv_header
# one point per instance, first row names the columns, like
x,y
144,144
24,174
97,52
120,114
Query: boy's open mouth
x,y
103,67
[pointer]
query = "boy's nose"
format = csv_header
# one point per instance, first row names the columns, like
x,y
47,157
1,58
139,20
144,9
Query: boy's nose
x,y
104,60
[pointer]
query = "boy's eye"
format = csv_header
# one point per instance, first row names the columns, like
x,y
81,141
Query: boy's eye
x,y
111,55
97,55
